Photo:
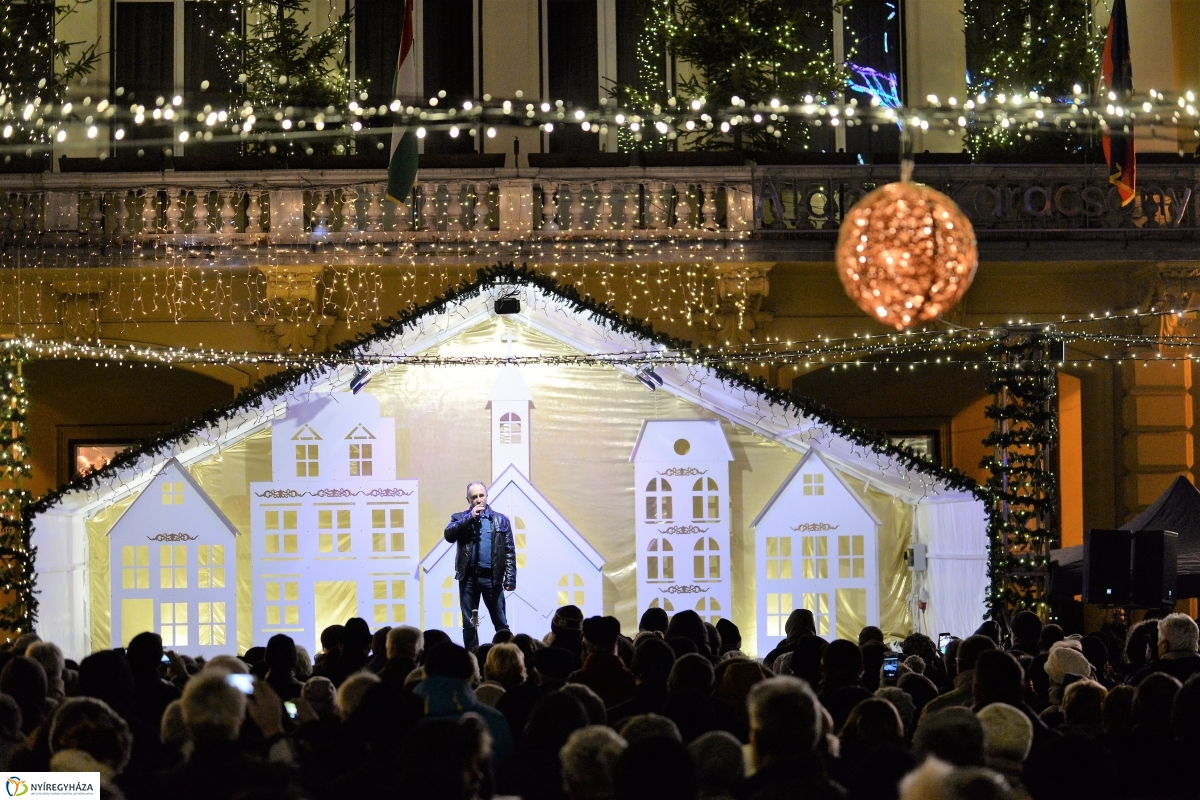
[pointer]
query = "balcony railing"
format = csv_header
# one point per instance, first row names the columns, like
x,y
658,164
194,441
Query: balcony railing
x,y
626,205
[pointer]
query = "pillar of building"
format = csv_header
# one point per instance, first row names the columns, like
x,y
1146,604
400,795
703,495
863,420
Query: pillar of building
x,y
1157,416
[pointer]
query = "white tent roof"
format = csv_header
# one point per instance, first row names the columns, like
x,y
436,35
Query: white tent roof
x,y
556,317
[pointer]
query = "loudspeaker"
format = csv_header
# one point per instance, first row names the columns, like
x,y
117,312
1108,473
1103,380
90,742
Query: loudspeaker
x,y
1155,568
1106,559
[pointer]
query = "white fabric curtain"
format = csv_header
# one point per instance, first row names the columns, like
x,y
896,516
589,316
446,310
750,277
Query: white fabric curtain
x,y
955,581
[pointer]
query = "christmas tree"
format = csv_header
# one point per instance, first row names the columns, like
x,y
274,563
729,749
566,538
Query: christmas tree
x,y
283,66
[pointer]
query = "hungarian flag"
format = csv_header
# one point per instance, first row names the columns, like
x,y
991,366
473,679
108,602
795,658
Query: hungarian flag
x,y
402,166
1117,72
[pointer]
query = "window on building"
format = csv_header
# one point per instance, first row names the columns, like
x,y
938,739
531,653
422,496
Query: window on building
x,y
658,501
520,540
360,460
873,33
282,602
173,624
135,566
448,46
653,563
389,602
383,520
451,613
172,493
779,608
146,40
706,501
707,567
325,520
570,590
307,461
664,604
814,484
572,60
271,541
709,609
510,429
779,558
211,561
814,557
172,566
851,559
29,24
211,620
818,604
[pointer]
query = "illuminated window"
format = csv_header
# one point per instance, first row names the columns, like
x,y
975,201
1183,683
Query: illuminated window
x,y
281,598
818,604
851,561
393,519
272,521
211,619
360,460
814,557
779,608
653,573
707,568
451,613
172,624
307,461
211,559
664,604
658,501
172,566
394,591
779,558
510,429
570,590
709,609
135,566
706,500
172,493
814,484
519,538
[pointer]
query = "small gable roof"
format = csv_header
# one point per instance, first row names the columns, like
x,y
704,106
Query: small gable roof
x,y
813,453
514,477
174,471
657,440
510,385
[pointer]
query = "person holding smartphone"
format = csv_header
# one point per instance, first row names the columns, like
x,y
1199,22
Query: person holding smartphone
x,y
485,564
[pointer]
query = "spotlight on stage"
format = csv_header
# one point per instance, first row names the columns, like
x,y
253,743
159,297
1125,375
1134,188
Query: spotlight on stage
x,y
361,378
649,378
508,304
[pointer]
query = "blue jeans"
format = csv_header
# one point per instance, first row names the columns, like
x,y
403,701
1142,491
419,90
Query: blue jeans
x,y
470,589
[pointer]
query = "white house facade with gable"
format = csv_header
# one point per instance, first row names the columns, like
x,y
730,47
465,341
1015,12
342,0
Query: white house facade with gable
x,y
174,567
681,507
815,545
555,564
335,533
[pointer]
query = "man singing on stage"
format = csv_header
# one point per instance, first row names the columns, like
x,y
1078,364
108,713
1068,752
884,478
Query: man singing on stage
x,y
486,562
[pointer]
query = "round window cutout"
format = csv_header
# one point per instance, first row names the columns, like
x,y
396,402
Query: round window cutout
x,y
682,446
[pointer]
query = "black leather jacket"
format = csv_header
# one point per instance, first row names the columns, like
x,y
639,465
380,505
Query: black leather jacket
x,y
463,530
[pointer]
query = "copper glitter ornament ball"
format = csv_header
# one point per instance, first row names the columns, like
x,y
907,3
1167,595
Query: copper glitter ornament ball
x,y
906,254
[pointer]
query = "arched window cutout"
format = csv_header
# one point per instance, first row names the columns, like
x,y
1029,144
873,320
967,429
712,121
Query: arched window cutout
x,y
710,568
664,604
709,609
570,590
658,501
510,428
660,568
706,501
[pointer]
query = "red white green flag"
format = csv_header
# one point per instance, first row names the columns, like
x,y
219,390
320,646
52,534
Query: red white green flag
x,y
402,166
